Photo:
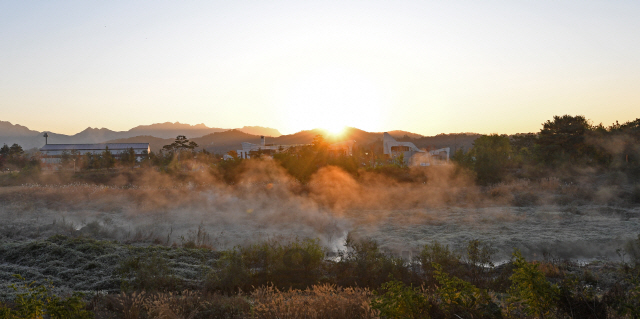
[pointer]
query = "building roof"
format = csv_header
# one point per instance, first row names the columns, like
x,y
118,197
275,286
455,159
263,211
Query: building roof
x,y
246,146
94,147
389,141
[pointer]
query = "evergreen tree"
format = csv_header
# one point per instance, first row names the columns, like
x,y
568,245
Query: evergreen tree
x,y
562,140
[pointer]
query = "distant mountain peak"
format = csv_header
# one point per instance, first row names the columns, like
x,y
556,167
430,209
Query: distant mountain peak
x,y
172,126
260,130
9,129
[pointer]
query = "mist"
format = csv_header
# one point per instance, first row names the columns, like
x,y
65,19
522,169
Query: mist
x,y
442,203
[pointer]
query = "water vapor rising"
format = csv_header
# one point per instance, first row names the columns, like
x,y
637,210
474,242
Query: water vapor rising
x,y
439,203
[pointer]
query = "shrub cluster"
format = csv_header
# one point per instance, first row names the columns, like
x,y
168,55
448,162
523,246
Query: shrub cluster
x,y
38,301
293,279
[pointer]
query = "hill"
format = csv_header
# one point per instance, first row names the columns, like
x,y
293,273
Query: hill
x,y
400,134
171,130
456,141
260,131
22,135
8,129
14,133
223,142
219,140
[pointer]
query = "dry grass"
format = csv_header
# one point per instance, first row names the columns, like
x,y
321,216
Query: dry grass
x,y
550,270
322,301
188,304
131,305
168,305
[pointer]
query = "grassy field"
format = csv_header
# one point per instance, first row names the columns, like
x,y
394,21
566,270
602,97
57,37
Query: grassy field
x,y
337,247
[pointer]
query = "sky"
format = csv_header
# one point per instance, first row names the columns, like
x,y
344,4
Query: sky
x,y
427,67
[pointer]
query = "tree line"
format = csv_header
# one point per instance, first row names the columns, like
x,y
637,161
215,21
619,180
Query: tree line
x,y
562,145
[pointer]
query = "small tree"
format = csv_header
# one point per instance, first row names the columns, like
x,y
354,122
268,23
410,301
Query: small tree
x,y
462,299
16,150
107,160
530,289
401,301
128,158
4,154
436,253
88,161
65,159
523,146
562,140
478,258
489,157
180,144
13,155
4,151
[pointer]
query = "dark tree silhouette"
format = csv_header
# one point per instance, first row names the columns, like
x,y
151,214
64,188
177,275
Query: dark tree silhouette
x,y
562,140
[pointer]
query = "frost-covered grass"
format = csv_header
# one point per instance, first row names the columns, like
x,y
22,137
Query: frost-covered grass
x,y
89,265
566,220
120,280
181,243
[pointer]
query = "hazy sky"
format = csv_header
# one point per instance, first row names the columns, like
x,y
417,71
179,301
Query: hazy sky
x,y
422,66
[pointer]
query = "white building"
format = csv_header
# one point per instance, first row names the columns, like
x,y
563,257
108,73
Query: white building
x,y
262,148
52,153
344,148
411,154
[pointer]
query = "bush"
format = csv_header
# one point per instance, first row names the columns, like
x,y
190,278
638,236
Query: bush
x,y
39,302
530,291
479,258
401,301
232,273
149,272
364,265
294,264
460,298
437,253
579,301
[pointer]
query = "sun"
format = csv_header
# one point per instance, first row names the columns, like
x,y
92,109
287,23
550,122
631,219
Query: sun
x,y
331,99
335,130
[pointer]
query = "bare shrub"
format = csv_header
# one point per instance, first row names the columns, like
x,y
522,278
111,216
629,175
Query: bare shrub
x,y
364,264
131,306
197,239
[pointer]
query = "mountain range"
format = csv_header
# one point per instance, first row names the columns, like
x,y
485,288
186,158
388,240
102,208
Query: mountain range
x,y
217,140
15,133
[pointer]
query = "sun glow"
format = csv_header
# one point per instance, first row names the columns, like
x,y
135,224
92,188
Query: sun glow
x,y
331,99
336,130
